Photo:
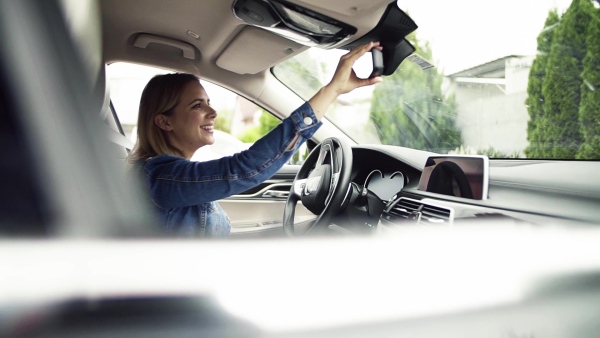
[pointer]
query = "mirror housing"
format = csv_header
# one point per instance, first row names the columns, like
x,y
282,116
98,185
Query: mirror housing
x,y
391,32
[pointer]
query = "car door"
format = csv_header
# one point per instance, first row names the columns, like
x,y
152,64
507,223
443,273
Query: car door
x,y
258,212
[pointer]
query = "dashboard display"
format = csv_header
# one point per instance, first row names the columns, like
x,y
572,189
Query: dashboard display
x,y
385,185
465,176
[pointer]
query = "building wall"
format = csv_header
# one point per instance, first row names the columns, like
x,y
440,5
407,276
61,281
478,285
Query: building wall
x,y
495,115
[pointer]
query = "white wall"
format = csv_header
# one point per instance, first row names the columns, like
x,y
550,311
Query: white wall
x,y
493,115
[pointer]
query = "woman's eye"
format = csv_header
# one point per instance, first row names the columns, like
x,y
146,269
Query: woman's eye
x,y
197,106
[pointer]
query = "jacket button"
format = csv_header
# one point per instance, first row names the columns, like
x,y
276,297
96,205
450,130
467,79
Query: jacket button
x,y
307,120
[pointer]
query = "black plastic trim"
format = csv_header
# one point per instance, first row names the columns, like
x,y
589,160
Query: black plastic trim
x,y
391,31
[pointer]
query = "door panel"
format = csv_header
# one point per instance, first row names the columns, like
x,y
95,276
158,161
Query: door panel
x,y
258,212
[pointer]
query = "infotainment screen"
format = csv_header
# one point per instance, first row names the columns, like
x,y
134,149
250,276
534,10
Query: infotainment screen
x,y
464,176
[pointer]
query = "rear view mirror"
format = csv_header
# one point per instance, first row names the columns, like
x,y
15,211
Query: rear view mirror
x,y
391,32
377,58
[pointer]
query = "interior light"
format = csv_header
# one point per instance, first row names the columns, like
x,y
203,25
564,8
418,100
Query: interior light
x,y
289,34
310,24
300,24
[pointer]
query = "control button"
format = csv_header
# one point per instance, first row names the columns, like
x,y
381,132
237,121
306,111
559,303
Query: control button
x,y
254,16
308,121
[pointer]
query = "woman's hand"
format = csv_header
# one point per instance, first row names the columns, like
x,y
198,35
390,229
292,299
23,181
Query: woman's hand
x,y
344,80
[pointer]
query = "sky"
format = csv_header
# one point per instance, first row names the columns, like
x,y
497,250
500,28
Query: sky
x,y
466,33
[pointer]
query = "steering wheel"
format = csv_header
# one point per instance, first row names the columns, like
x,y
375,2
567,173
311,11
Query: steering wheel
x,y
322,184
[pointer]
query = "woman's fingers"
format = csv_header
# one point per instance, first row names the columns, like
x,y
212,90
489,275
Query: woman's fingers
x,y
345,79
351,57
366,82
359,51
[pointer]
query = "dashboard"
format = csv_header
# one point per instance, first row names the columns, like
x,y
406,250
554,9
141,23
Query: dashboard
x,y
522,192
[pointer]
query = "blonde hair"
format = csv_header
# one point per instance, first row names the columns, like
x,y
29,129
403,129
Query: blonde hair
x,y
160,96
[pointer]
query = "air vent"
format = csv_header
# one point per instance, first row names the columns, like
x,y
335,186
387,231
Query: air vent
x,y
410,210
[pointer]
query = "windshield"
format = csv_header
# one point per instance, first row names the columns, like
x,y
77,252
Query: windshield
x,y
511,79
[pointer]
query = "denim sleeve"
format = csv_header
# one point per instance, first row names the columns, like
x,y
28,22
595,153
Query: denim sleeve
x,y
176,182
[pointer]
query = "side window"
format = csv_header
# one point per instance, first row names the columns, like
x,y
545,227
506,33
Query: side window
x,y
239,123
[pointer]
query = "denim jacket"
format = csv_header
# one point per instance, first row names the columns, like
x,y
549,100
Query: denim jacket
x,y
184,193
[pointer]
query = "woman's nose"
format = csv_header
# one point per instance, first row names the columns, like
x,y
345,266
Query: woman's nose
x,y
213,113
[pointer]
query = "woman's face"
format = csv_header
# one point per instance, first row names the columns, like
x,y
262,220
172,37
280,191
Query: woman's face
x,y
190,126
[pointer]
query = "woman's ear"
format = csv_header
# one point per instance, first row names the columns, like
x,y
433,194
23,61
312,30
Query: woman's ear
x,y
162,122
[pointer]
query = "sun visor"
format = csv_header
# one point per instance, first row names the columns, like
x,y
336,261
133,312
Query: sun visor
x,y
255,50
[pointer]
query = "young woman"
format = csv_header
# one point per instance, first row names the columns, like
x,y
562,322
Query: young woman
x,y
176,119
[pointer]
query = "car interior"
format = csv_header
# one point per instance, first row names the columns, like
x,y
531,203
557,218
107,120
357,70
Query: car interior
x,y
64,177
235,55
233,49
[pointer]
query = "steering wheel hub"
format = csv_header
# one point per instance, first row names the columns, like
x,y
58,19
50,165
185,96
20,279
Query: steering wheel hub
x,y
317,189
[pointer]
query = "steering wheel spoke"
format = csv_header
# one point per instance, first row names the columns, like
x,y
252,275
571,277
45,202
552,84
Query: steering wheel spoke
x,y
334,180
325,153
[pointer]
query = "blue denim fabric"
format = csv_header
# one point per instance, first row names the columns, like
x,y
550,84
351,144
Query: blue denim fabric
x,y
184,192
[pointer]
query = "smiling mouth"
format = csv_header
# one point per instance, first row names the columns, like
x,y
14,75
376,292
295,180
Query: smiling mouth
x,y
207,128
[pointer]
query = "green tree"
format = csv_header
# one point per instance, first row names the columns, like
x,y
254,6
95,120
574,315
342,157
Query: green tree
x,y
411,110
267,123
538,122
589,108
561,88
223,122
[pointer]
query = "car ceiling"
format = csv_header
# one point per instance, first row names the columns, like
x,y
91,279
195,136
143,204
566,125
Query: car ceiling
x,y
224,43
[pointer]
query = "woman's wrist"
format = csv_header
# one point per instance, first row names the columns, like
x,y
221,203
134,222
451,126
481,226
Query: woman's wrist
x,y
322,100
335,90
